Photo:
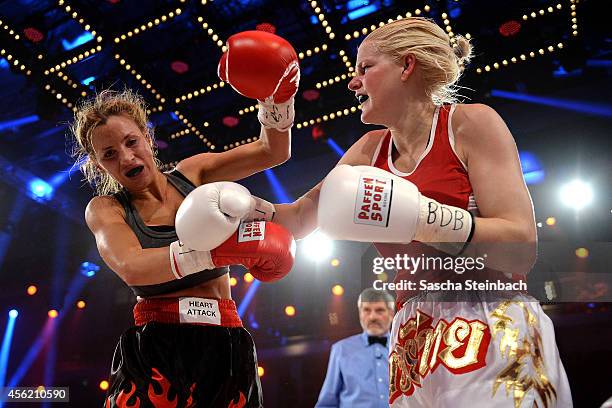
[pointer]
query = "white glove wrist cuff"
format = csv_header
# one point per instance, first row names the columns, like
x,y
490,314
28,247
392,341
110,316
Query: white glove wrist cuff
x,y
443,223
277,116
185,261
261,210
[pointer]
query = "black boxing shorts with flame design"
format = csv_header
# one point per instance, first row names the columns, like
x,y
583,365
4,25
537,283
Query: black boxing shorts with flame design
x,y
185,352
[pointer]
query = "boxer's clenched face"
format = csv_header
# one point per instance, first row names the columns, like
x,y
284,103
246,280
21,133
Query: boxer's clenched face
x,y
375,317
377,85
124,151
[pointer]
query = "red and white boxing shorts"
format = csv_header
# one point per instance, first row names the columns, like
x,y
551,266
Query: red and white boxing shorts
x,y
488,352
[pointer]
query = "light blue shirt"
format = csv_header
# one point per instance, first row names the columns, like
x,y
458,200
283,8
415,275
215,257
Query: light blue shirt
x,y
357,375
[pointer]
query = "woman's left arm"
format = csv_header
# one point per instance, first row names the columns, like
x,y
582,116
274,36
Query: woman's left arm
x,y
494,169
271,149
505,228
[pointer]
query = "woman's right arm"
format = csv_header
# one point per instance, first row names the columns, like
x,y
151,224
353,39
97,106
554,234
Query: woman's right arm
x,y
300,217
120,249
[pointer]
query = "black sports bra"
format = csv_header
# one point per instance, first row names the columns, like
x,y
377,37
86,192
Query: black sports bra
x,y
160,236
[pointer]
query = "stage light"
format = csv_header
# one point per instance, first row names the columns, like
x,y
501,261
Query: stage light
x,y
40,189
248,277
80,40
80,304
5,349
230,121
33,34
317,132
338,290
322,19
587,107
335,147
103,385
15,123
277,187
510,28
576,194
317,246
180,67
383,277
88,80
290,311
533,172
233,281
311,95
582,253
31,290
550,221
52,313
260,371
89,269
335,262
267,27
362,12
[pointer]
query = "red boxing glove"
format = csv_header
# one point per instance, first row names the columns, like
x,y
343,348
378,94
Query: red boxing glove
x,y
266,249
264,66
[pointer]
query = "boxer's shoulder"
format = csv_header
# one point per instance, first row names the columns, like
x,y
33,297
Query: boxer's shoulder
x,y
103,208
362,151
478,127
470,118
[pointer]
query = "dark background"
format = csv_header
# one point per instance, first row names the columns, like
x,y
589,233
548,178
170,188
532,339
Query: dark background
x,y
557,105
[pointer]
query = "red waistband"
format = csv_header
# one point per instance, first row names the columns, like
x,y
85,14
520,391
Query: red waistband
x,y
166,310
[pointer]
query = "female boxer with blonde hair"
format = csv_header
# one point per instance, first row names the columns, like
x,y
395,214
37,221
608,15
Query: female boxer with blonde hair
x,y
440,175
188,346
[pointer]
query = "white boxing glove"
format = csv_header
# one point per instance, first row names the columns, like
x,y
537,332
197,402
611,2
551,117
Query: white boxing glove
x,y
368,204
261,210
211,213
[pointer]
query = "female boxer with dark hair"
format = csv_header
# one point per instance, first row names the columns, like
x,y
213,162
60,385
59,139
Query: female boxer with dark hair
x,y
188,347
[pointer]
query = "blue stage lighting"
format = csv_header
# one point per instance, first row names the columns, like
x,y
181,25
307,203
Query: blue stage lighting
x,y
355,4
532,168
252,322
560,72
281,194
248,297
362,12
5,349
13,123
339,151
80,40
59,178
88,80
40,189
590,108
4,63
314,19
599,63
454,9
89,269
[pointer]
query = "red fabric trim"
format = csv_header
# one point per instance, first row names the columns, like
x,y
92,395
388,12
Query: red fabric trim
x,y
176,267
166,310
